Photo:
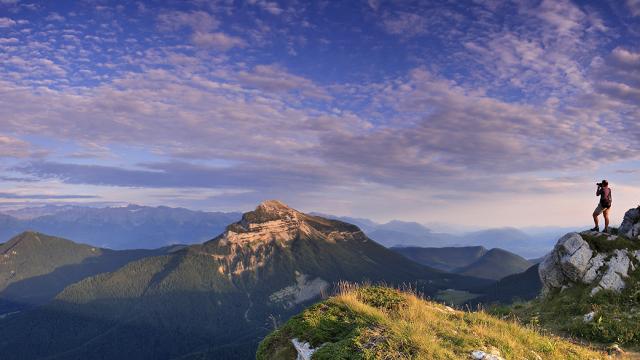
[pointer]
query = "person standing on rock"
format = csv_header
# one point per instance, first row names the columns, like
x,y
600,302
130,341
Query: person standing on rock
x,y
603,206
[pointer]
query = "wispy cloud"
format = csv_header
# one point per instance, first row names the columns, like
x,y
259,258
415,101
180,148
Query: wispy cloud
x,y
6,22
4,195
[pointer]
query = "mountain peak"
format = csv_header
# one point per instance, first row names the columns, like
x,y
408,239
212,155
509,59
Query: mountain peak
x,y
272,221
270,210
273,206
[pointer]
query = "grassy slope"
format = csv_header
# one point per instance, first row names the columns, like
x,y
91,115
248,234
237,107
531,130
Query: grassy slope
x,y
381,323
617,315
496,264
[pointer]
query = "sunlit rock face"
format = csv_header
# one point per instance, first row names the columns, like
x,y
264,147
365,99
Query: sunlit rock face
x,y
249,243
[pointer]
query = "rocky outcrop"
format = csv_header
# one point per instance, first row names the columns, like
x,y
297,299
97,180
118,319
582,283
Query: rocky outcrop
x,y
630,226
569,262
576,260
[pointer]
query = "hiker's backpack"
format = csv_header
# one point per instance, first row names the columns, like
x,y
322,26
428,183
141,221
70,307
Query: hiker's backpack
x,y
606,202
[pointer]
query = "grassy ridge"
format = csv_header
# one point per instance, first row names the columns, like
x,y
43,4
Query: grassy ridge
x,y
382,323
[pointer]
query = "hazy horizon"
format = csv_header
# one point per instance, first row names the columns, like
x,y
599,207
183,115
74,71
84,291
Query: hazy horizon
x,y
485,113
452,228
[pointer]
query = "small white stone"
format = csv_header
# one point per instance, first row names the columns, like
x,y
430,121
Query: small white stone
x,y
304,349
481,355
589,317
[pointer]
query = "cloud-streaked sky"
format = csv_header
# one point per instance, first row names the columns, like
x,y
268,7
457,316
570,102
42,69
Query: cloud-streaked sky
x,y
484,113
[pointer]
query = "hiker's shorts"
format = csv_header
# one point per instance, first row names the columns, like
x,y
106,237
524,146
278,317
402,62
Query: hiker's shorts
x,y
599,210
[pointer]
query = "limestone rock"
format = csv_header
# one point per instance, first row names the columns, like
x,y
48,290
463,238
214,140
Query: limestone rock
x,y
573,255
630,226
304,349
618,269
550,273
594,265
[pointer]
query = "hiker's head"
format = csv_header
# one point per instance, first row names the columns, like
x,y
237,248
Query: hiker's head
x,y
604,183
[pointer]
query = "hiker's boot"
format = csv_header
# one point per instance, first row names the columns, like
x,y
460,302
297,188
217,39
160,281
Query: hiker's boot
x,y
596,229
605,230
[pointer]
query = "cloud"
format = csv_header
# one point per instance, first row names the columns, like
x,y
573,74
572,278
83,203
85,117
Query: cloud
x,y
562,15
273,78
199,21
14,148
405,23
374,4
202,26
5,195
181,175
634,7
6,22
54,16
626,58
447,132
217,40
268,6
617,76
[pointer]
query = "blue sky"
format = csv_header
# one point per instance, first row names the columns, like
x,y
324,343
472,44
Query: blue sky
x,y
484,113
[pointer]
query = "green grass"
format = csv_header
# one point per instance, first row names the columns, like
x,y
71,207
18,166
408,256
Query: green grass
x,y
383,323
600,243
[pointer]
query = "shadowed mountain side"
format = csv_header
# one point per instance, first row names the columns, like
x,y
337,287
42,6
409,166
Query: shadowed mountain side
x,y
223,294
496,264
35,267
445,258
523,286
135,331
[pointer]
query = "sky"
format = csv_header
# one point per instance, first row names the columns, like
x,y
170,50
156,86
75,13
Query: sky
x,y
477,113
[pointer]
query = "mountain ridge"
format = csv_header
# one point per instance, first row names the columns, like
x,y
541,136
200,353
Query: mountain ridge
x,y
218,296
496,264
34,267
127,227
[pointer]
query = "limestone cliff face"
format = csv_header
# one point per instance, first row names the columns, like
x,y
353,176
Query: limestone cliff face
x,y
250,243
602,261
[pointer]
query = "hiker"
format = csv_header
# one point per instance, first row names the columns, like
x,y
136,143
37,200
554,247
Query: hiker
x,y
603,206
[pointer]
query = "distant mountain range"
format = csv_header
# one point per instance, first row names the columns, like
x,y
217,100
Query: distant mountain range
x,y
213,300
471,260
532,243
130,227
135,226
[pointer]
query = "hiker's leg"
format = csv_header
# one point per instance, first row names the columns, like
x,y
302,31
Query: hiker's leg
x,y
605,213
595,218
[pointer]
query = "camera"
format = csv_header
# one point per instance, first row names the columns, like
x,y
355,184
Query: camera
x,y
599,184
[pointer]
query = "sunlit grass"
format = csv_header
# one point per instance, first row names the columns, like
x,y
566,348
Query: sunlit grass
x,y
383,323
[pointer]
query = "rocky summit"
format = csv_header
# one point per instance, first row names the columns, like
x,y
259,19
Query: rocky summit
x,y
600,260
